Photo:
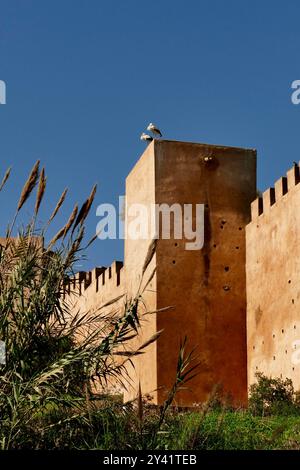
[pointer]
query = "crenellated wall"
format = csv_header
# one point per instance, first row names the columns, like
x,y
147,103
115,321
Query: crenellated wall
x,y
273,280
87,291
206,288
237,299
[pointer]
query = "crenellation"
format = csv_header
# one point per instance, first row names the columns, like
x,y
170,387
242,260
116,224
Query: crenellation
x,y
256,208
293,176
281,187
274,194
66,287
102,278
87,280
96,272
97,279
268,198
119,267
79,279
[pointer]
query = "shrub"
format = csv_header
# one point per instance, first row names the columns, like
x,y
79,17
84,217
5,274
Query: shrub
x,y
271,396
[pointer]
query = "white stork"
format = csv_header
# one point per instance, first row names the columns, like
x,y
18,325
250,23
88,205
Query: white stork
x,y
155,131
146,137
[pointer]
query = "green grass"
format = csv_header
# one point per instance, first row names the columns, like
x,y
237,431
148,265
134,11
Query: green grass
x,y
237,430
112,428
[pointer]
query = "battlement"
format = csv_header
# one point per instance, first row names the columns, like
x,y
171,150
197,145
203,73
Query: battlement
x,y
272,195
97,280
273,286
197,284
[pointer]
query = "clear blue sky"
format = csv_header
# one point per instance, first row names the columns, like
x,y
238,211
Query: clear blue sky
x,y
85,77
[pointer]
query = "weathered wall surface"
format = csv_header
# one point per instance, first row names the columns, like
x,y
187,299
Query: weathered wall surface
x,y
88,291
207,287
273,280
140,189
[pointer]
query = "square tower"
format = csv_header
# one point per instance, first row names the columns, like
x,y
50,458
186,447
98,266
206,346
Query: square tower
x,y
206,288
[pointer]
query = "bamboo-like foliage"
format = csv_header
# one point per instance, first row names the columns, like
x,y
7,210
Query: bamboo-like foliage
x,y
185,371
187,364
45,360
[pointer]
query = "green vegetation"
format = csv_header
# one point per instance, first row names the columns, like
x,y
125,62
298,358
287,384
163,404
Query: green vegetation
x,y
109,425
48,384
48,372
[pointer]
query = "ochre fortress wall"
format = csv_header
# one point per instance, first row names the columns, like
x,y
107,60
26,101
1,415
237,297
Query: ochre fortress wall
x,y
236,299
273,281
206,287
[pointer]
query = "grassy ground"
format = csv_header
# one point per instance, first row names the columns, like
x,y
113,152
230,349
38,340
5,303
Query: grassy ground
x,y
236,430
112,428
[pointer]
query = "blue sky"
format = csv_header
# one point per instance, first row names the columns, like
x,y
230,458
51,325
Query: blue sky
x,y
85,78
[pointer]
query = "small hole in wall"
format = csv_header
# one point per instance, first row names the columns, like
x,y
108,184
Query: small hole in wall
x,y
240,228
176,244
290,281
226,288
256,367
221,226
173,261
274,358
263,342
253,347
293,301
286,351
294,327
273,336
226,268
282,331
237,247
293,368
215,246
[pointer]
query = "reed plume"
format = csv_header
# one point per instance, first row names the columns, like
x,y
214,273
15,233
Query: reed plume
x,y
85,208
58,205
29,185
71,220
6,176
40,192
